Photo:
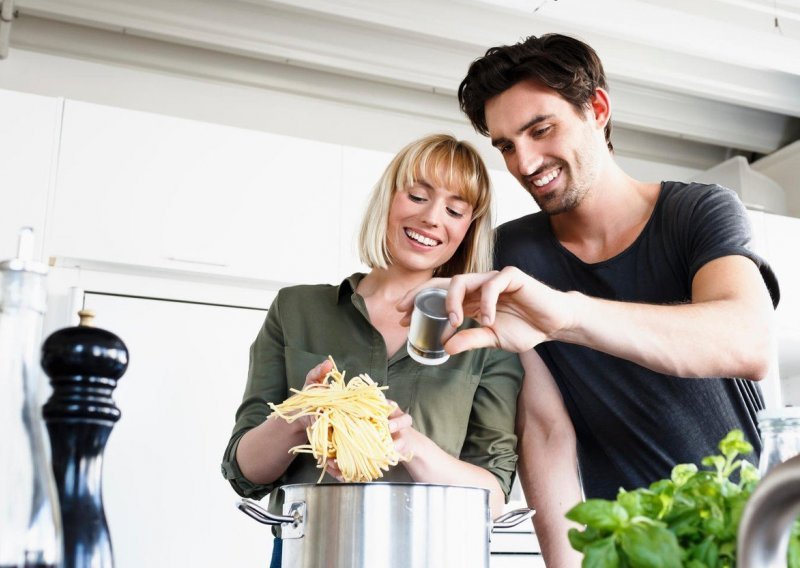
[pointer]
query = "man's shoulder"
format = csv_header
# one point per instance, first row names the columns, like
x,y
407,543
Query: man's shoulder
x,y
694,200
676,191
521,240
526,226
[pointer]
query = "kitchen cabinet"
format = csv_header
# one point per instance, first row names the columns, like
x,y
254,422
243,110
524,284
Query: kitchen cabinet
x,y
781,235
166,501
774,238
511,199
28,143
147,190
361,170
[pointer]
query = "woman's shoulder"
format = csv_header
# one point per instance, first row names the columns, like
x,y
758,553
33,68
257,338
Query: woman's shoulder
x,y
321,291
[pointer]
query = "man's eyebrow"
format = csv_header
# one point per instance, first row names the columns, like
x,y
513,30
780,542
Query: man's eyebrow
x,y
533,121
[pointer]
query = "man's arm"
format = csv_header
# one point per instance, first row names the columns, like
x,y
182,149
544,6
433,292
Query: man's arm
x,y
548,466
726,330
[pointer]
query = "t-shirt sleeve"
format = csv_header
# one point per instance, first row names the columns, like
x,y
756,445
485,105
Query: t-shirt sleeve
x,y
719,227
266,383
491,442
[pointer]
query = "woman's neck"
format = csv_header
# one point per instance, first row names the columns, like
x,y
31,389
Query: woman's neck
x,y
390,284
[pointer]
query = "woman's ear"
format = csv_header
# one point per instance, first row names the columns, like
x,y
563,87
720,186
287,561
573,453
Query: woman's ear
x,y
601,107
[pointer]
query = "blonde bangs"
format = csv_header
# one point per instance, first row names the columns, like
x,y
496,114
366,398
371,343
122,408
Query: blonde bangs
x,y
452,165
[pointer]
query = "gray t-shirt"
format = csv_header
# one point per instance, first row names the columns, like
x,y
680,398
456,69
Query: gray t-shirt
x,y
633,424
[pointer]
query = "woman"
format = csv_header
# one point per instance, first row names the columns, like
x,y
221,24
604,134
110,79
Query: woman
x,y
429,215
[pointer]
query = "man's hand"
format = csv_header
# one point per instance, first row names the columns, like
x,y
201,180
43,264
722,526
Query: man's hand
x,y
516,312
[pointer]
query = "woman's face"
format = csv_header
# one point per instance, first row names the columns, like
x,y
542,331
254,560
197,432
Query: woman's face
x,y
427,223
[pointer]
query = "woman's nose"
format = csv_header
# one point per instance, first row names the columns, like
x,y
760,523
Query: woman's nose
x,y
431,214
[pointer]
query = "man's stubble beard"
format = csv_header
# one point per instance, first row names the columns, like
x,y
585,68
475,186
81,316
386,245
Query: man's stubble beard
x,y
555,203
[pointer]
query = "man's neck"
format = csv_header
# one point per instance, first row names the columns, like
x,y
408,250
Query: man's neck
x,y
609,219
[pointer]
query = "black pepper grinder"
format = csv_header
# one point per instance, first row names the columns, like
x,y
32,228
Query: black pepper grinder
x,y
84,364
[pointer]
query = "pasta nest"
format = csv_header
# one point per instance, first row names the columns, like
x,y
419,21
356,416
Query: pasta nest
x,y
351,425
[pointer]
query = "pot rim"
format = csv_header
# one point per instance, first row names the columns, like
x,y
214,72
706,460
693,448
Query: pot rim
x,y
383,484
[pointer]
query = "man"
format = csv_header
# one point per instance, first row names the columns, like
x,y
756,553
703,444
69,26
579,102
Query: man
x,y
641,292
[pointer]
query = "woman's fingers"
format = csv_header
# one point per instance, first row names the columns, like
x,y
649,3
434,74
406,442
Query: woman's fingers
x,y
318,373
332,467
398,419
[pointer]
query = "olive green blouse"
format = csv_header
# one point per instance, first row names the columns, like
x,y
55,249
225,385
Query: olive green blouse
x,y
466,405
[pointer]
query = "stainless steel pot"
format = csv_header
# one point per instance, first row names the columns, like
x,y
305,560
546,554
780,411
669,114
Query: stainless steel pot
x,y
391,525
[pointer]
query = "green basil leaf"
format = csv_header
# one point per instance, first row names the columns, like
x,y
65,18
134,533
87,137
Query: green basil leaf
x,y
705,552
601,554
748,474
734,443
599,513
579,539
717,462
641,502
650,546
682,472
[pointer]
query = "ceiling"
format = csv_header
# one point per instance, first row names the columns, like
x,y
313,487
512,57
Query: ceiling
x,y
719,72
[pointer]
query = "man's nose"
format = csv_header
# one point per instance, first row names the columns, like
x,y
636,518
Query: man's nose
x,y
528,161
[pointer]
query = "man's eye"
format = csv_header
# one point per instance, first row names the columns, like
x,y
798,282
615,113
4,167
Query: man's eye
x,y
505,148
541,132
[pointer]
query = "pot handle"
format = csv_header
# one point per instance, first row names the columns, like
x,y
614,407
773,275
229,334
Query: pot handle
x,y
512,518
257,512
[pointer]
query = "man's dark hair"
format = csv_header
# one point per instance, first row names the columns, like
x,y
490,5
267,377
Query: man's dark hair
x,y
562,63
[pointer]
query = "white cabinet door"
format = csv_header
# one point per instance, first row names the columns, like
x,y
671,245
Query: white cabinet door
x,y
511,199
166,501
361,170
145,189
782,235
28,139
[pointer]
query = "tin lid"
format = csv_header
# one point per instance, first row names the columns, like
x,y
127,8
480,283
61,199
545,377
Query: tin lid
x,y
23,262
431,302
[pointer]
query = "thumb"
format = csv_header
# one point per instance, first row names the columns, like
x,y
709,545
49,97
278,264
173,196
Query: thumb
x,y
473,338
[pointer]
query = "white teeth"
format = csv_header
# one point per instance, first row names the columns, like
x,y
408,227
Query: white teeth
x,y
421,239
547,179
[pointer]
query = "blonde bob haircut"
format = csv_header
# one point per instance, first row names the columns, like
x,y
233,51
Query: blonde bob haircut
x,y
442,161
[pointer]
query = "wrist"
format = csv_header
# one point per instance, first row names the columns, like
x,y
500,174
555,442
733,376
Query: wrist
x,y
574,303
294,430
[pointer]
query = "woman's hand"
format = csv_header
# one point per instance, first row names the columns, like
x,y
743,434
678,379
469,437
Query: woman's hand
x,y
402,434
402,431
314,377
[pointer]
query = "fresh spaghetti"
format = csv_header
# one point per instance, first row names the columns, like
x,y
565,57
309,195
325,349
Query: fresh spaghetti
x,y
351,425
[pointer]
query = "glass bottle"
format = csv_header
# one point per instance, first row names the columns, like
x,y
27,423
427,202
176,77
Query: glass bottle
x,y
780,436
30,521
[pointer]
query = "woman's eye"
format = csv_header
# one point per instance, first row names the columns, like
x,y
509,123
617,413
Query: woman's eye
x,y
416,198
455,213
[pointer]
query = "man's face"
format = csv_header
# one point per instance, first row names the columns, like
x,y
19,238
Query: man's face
x,y
553,151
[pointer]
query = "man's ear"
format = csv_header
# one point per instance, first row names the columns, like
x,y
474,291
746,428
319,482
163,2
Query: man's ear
x,y
601,107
